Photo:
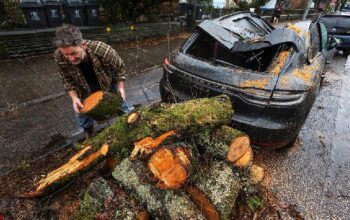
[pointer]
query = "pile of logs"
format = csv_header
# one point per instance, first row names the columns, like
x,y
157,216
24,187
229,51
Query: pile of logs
x,y
181,161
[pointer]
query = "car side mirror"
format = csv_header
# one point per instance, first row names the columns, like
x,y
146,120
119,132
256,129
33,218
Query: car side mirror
x,y
333,43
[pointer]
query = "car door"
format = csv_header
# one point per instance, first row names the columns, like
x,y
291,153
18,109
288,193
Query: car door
x,y
316,55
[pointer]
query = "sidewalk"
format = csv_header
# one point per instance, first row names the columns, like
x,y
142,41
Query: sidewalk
x,y
36,115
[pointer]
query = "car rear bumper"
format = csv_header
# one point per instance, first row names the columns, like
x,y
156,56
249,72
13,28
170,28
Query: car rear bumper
x,y
272,129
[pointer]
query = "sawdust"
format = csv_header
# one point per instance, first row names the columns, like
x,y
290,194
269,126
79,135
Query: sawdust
x,y
295,28
260,83
279,62
284,81
304,73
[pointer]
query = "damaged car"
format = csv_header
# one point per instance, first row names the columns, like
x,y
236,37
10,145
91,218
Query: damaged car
x,y
272,75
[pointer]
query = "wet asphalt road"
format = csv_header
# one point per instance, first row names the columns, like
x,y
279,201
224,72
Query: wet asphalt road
x,y
314,174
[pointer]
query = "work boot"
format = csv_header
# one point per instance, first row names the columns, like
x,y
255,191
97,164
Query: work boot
x,y
89,132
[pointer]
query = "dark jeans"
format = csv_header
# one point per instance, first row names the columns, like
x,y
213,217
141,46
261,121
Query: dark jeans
x,y
84,121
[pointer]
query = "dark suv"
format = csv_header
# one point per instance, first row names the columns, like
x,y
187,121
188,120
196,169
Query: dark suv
x,y
272,75
338,26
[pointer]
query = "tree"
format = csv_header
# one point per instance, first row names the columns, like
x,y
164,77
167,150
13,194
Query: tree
x,y
129,10
10,14
340,5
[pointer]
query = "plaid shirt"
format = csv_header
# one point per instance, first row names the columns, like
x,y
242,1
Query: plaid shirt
x,y
107,64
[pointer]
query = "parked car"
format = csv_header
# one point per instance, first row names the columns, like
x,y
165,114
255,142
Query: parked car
x,y
272,75
338,26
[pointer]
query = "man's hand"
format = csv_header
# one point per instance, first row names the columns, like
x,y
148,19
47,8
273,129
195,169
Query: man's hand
x,y
122,93
77,105
121,90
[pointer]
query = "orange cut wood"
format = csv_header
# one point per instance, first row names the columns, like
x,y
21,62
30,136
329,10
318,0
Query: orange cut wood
x,y
245,160
238,147
77,163
202,203
257,174
167,169
147,144
143,215
92,101
132,117
183,155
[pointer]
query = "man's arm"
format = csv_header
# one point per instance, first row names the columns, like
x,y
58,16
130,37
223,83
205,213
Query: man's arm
x,y
68,82
118,67
76,101
121,89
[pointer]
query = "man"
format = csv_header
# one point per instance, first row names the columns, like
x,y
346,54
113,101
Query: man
x,y
85,67
277,13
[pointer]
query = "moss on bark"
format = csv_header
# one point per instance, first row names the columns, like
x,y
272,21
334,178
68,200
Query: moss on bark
x,y
217,181
164,204
216,143
109,105
185,118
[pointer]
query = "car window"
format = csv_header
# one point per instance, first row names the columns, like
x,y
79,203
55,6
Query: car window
x,y
324,35
205,47
337,24
315,41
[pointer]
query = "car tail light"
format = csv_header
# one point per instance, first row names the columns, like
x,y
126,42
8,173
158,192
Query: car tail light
x,y
166,61
279,98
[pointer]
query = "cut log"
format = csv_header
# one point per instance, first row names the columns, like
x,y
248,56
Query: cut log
x,y
102,105
217,181
163,204
159,120
170,166
257,174
143,215
245,160
226,143
187,118
80,162
202,203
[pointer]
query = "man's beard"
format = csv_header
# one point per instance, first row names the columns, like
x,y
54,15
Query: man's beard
x,y
77,61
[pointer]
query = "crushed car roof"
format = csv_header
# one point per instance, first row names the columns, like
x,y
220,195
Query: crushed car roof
x,y
244,31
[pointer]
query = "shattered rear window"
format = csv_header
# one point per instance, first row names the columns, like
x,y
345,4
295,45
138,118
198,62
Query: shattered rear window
x,y
205,47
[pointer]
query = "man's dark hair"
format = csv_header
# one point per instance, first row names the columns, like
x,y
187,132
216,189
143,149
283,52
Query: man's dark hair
x,y
67,35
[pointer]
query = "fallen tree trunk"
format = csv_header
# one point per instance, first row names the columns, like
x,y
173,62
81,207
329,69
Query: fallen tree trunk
x,y
79,163
217,181
187,118
149,127
171,165
164,204
214,189
226,143
102,105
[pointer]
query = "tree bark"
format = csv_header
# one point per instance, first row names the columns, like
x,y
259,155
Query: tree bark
x,y
186,119
226,143
217,181
164,204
